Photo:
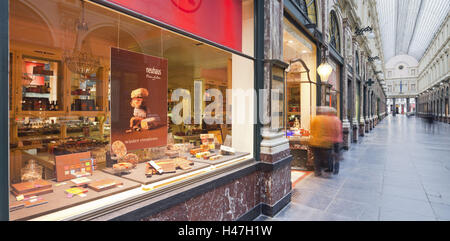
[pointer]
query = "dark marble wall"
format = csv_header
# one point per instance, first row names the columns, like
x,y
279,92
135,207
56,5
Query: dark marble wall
x,y
224,203
231,201
276,185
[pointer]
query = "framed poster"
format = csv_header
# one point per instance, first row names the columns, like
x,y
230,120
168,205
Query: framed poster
x,y
138,99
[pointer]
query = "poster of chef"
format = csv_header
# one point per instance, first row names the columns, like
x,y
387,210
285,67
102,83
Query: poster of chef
x,y
138,99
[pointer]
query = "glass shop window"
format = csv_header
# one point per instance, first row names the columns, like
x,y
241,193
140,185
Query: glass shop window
x,y
103,103
300,54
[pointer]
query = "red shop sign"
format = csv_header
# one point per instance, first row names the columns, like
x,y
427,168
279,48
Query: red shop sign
x,y
219,21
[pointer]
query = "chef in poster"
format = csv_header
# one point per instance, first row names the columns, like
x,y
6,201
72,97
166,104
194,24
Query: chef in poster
x,y
138,99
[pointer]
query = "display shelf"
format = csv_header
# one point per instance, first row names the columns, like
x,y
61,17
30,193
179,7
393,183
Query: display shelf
x,y
36,95
138,174
221,160
88,113
41,114
293,113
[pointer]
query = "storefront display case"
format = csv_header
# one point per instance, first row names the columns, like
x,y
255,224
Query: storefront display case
x,y
301,90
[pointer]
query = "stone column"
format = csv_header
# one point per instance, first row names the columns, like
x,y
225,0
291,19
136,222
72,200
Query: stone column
x,y
407,105
369,113
355,121
275,180
367,108
361,99
346,126
372,112
394,111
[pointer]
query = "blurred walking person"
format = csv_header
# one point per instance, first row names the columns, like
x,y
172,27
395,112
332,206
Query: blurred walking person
x,y
323,131
337,140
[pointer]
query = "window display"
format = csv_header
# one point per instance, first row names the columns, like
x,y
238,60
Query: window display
x,y
300,53
301,92
93,104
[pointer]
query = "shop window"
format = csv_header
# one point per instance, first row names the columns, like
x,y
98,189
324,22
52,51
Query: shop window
x,y
95,97
300,53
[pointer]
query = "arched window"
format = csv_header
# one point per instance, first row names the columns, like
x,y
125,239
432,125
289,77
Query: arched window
x,y
335,37
302,5
308,7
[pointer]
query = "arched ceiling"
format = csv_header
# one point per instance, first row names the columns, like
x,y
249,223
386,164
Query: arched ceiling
x,y
408,26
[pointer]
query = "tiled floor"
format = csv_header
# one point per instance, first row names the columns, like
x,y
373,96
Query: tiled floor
x,y
400,171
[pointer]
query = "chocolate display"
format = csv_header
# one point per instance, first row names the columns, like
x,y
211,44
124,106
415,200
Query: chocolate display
x,y
74,165
81,181
131,158
167,166
172,153
104,184
119,149
225,150
76,191
122,167
30,189
197,150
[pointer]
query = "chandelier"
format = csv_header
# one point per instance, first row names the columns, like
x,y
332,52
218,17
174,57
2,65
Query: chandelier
x,y
81,60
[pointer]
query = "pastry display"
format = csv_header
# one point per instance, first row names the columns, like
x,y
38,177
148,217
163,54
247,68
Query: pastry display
x,y
76,191
82,181
197,150
153,168
27,203
119,149
74,165
31,172
208,141
202,154
34,202
225,150
131,158
122,167
183,161
167,166
205,147
103,185
215,157
172,153
16,206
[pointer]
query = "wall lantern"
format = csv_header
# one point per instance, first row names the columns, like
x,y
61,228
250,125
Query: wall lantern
x,y
324,70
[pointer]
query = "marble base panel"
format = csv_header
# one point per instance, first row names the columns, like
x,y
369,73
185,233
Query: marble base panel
x,y
234,200
355,133
224,203
346,138
275,157
276,185
362,129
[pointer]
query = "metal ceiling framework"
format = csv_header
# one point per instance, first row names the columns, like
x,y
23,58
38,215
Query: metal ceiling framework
x,y
408,26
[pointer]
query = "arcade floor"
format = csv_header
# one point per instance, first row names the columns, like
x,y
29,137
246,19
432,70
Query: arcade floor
x,y
398,172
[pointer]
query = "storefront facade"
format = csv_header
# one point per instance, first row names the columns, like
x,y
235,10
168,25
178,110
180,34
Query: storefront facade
x,y
94,80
